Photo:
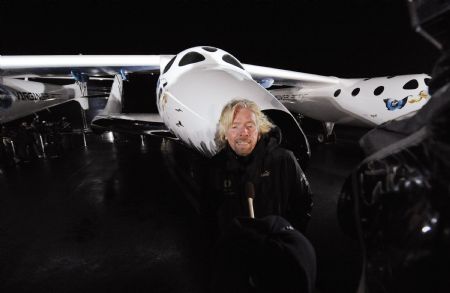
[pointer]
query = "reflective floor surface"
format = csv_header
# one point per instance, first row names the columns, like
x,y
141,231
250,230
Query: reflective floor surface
x,y
121,217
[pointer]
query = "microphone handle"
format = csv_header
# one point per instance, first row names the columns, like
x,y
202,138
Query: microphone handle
x,y
250,207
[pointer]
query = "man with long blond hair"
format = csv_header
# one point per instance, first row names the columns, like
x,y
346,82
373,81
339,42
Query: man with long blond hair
x,y
251,156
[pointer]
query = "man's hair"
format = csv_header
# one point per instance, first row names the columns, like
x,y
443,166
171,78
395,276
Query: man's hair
x,y
229,111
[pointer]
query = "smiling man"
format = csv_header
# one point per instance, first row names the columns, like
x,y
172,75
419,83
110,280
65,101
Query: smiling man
x,y
242,135
251,156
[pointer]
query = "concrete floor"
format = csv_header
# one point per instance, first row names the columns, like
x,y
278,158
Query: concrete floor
x,y
121,218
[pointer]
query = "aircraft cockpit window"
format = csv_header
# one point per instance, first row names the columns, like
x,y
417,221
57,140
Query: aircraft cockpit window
x,y
355,91
427,81
191,57
169,64
378,91
233,61
411,85
209,49
390,76
337,93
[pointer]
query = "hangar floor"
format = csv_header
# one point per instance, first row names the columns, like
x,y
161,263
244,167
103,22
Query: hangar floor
x,y
120,217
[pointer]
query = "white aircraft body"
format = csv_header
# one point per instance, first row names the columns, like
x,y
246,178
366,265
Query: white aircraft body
x,y
360,102
195,84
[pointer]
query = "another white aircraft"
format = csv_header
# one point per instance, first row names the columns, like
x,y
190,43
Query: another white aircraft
x,y
21,97
195,84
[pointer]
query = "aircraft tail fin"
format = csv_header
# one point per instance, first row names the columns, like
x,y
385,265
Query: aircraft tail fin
x,y
114,104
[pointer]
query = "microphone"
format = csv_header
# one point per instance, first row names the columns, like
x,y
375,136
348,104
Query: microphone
x,y
250,193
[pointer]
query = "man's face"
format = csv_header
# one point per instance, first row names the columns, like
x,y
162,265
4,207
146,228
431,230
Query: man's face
x,y
243,135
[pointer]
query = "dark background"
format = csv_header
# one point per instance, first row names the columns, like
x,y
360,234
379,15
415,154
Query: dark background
x,y
102,207
354,38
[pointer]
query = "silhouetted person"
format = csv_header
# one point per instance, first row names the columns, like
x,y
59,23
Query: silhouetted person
x,y
65,129
6,152
26,147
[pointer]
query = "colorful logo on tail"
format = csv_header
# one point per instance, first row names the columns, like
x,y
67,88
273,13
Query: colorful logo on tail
x,y
393,104
422,96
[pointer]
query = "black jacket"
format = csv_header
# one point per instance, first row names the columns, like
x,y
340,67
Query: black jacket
x,y
280,185
267,251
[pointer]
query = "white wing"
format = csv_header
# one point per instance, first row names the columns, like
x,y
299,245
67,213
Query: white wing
x,y
92,65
